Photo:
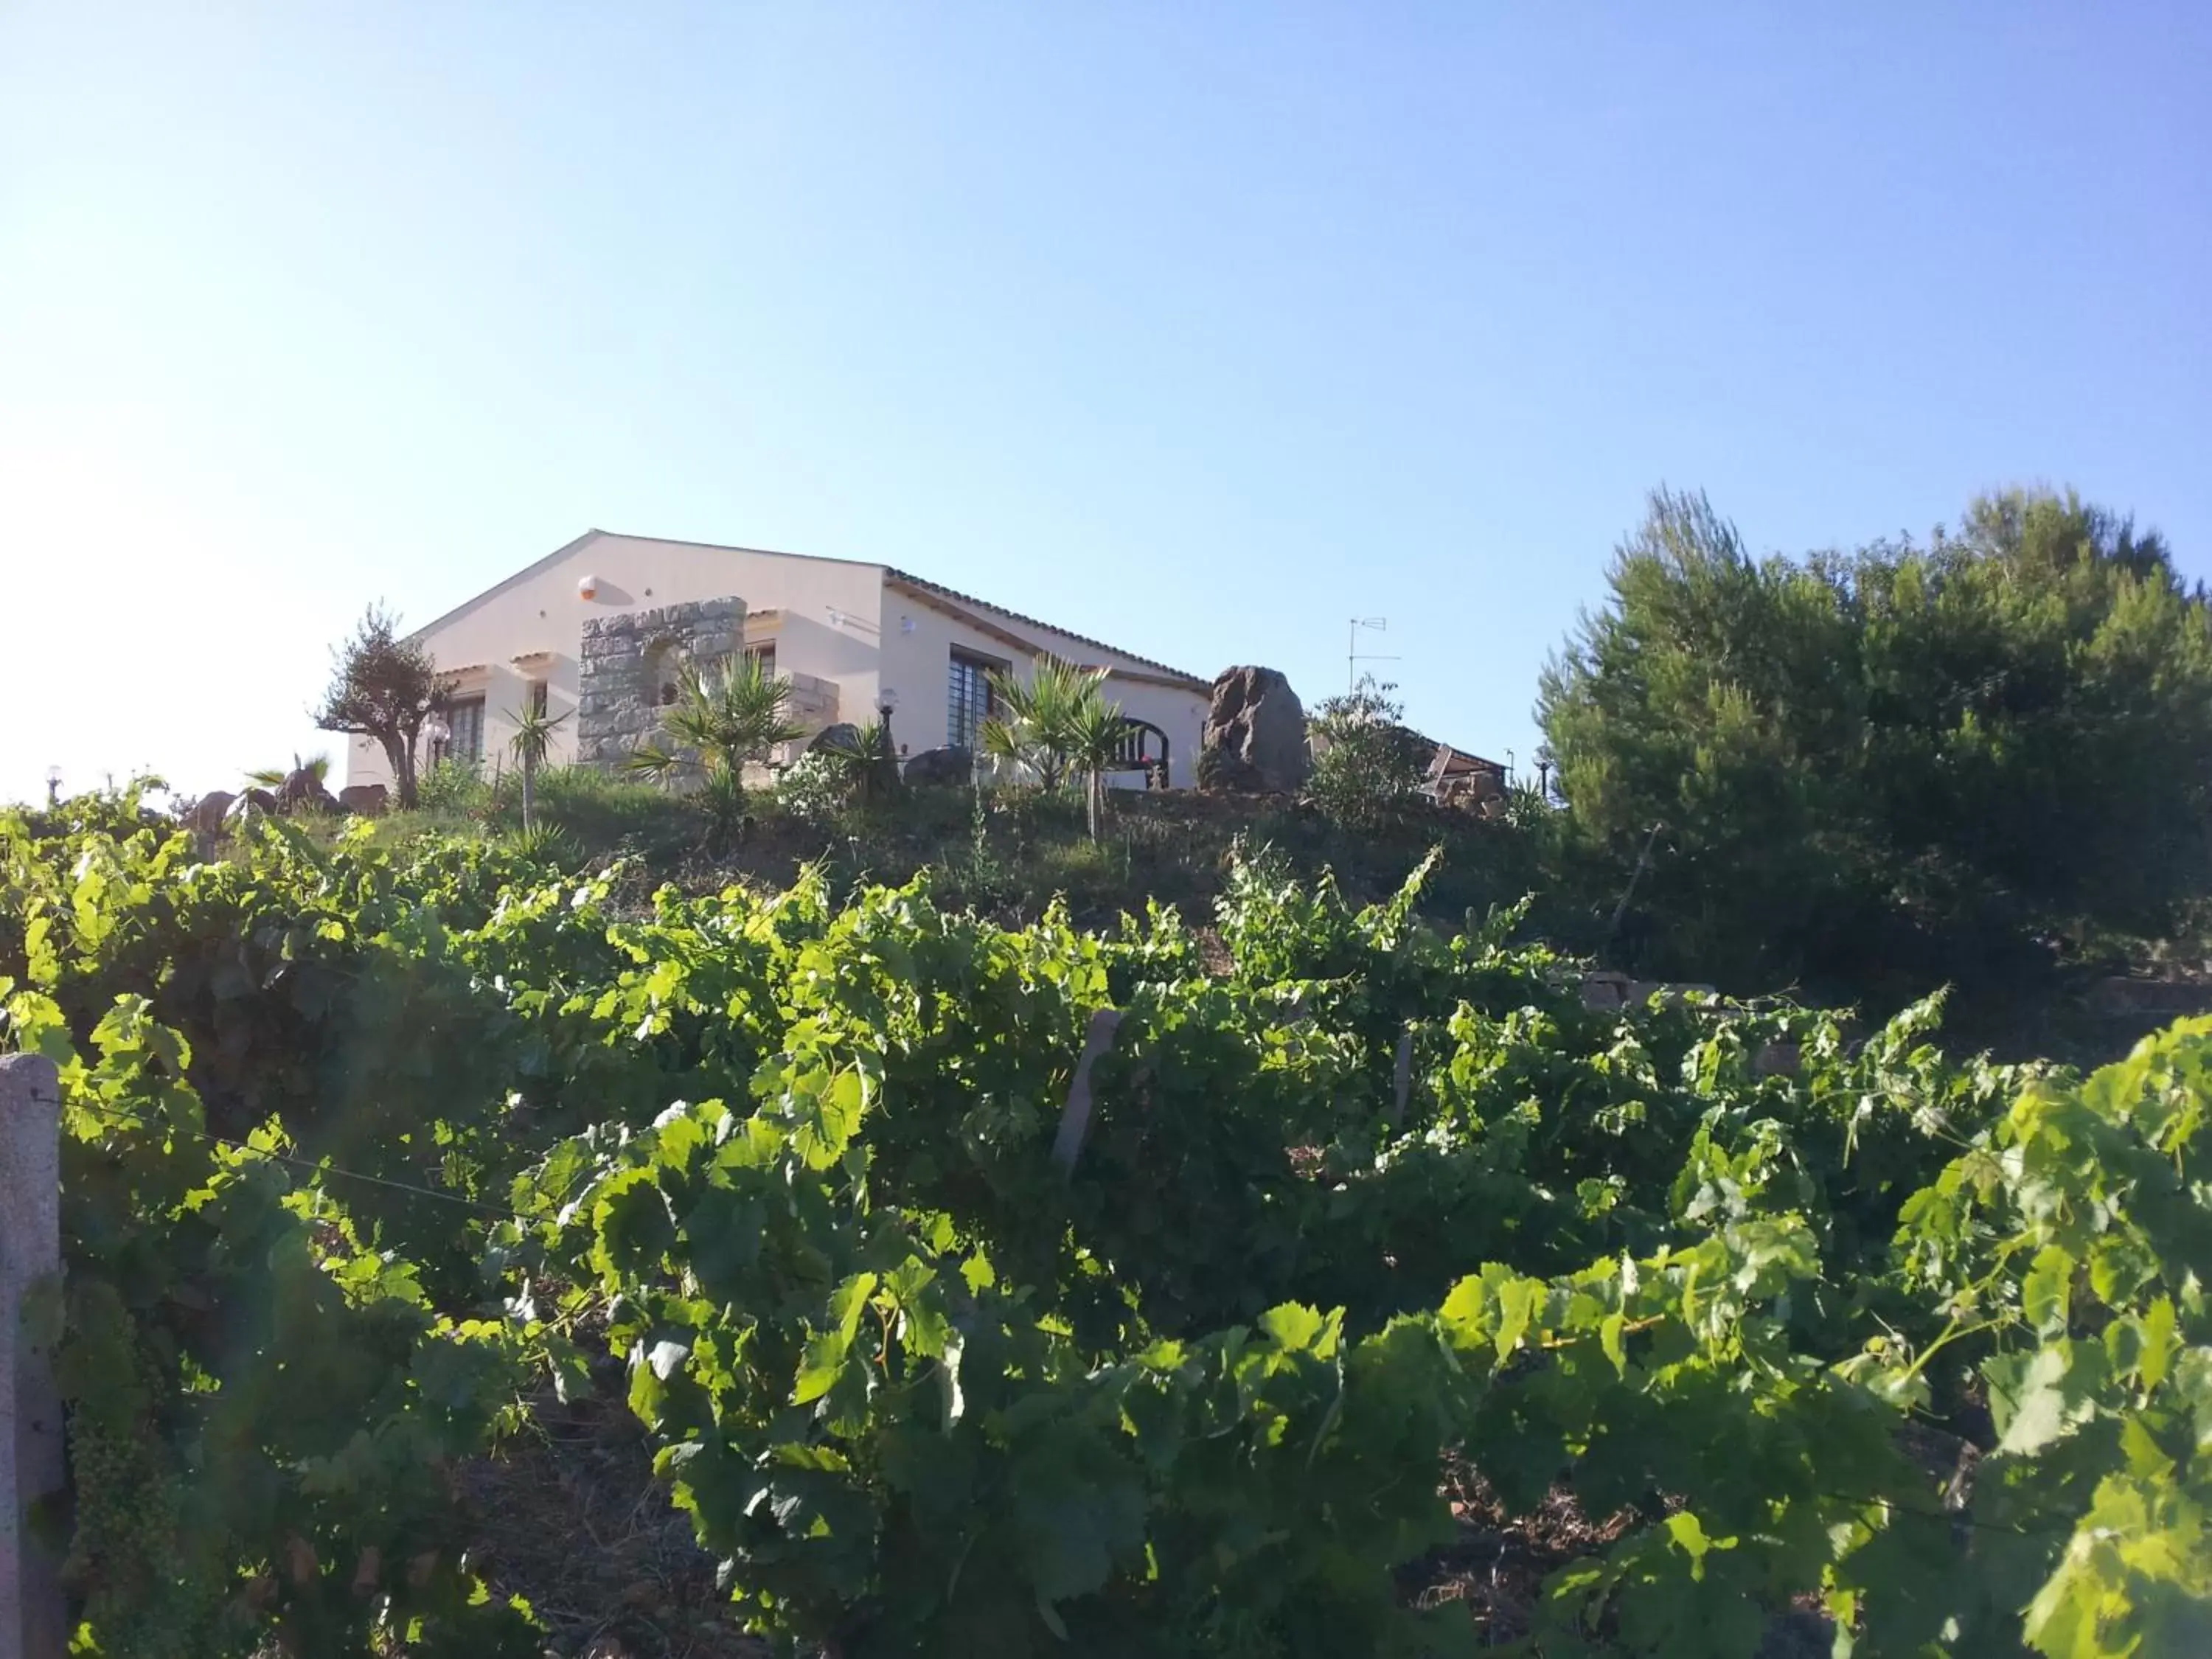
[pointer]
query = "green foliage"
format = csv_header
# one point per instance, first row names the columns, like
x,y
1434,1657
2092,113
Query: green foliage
x,y
534,727
1878,771
1367,768
817,787
384,686
549,844
455,786
726,714
316,766
1055,725
927,1390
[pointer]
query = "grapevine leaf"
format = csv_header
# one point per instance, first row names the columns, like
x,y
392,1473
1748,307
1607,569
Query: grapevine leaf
x,y
1609,1339
826,1350
2044,1292
2029,1399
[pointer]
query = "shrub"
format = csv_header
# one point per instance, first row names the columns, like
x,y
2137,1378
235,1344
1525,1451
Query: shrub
x,y
1877,771
458,788
1367,768
817,787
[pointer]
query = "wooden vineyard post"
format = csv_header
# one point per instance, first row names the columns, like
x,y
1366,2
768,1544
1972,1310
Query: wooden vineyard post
x,y
32,1613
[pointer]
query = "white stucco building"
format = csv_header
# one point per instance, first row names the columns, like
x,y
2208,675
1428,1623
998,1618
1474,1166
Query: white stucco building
x,y
851,636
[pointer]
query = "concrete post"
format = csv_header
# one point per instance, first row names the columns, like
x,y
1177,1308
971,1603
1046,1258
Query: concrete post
x,y
32,1611
1075,1119
1402,1082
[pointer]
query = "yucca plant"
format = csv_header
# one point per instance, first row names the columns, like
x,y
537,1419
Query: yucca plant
x,y
547,843
533,738
1095,733
723,717
1054,724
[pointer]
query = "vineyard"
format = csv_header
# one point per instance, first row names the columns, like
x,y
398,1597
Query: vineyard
x,y
964,1317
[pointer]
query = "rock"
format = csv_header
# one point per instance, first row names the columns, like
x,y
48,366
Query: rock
x,y
1604,989
369,799
2154,998
260,800
210,812
843,735
1255,734
1777,1059
951,765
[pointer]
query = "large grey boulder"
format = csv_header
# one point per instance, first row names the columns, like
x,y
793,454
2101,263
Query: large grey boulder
x,y
210,812
1255,734
951,764
369,799
843,735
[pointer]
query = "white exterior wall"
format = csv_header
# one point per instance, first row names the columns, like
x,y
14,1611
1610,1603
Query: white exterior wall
x,y
836,620
539,610
919,638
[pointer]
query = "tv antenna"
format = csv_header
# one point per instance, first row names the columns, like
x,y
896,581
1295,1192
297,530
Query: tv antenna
x,y
1354,656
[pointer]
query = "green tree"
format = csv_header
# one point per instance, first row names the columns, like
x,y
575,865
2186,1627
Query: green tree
x,y
384,686
1876,770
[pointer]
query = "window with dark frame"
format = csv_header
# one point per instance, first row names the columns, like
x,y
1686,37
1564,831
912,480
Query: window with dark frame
x,y
969,699
464,718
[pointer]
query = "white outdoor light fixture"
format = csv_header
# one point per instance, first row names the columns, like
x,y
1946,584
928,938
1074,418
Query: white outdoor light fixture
x,y
886,700
437,734
588,588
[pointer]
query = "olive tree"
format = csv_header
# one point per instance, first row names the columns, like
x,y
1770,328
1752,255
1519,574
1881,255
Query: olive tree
x,y
384,686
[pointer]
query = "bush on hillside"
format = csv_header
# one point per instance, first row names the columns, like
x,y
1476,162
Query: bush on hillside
x,y
1367,768
1875,772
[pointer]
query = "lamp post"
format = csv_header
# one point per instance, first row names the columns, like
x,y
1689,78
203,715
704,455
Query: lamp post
x,y
887,765
437,734
53,786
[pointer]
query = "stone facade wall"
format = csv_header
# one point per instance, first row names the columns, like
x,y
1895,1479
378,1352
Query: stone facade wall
x,y
813,705
616,703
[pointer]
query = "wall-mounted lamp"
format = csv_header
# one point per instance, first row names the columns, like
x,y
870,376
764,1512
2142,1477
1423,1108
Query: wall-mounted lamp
x,y
588,588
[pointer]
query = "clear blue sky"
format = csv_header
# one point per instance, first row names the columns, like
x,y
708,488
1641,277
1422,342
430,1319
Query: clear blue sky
x,y
1199,328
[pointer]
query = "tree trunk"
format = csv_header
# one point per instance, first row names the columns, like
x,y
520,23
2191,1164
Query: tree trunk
x,y
399,755
529,777
1095,798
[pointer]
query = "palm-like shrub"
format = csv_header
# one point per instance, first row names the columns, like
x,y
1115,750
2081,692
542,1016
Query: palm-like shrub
x,y
724,717
532,739
1055,725
316,766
